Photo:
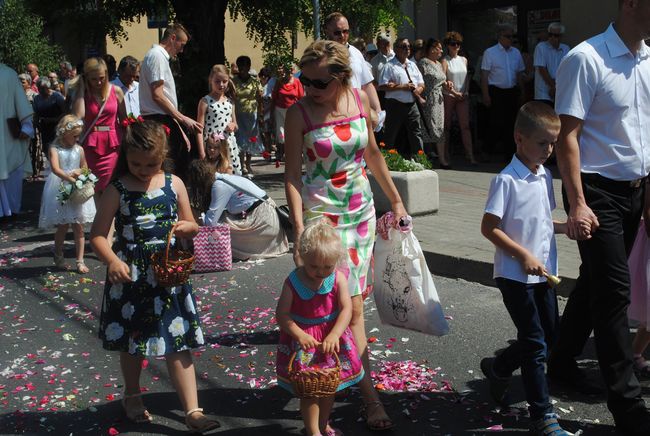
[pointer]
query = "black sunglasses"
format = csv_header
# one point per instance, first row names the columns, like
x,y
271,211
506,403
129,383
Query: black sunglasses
x,y
314,83
509,36
341,32
453,43
554,35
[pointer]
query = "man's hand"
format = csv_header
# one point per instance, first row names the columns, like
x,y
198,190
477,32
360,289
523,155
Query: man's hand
x,y
576,223
192,125
487,101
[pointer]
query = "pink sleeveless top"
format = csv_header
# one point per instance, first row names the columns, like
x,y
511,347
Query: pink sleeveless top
x,y
104,135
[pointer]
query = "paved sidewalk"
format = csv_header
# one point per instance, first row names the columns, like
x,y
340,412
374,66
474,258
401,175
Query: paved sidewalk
x,y
451,239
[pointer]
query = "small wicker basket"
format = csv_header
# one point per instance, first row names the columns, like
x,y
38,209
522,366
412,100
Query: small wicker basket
x,y
83,194
172,267
315,383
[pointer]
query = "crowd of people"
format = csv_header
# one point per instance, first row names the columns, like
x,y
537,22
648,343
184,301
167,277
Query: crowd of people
x,y
324,120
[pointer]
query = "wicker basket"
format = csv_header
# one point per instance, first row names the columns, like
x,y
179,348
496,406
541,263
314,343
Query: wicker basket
x,y
172,267
83,194
315,383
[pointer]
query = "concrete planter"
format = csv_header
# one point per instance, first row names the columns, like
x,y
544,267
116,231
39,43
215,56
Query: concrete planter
x,y
418,189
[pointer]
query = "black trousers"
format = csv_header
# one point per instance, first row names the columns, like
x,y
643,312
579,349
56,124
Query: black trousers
x,y
503,111
602,293
405,115
178,157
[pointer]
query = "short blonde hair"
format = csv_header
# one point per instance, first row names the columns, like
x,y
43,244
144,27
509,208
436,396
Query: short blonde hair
x,y
535,116
336,55
175,29
321,239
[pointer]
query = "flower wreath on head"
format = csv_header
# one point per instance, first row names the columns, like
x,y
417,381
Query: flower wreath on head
x,y
72,125
131,119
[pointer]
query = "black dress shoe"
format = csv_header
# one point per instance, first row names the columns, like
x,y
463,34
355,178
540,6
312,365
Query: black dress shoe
x,y
635,422
569,375
445,167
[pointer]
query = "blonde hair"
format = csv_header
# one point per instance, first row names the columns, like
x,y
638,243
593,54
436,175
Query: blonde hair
x,y
321,239
535,116
336,55
92,65
222,160
222,69
68,123
175,29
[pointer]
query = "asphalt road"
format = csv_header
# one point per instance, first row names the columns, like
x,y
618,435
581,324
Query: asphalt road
x,y
55,377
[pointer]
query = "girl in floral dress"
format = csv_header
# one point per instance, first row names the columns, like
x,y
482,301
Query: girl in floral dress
x,y
330,127
314,312
140,318
216,112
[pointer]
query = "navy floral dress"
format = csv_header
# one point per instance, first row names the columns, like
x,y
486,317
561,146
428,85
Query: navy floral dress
x,y
140,317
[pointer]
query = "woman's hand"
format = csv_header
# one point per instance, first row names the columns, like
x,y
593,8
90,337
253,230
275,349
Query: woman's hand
x,y
186,229
330,344
307,342
119,272
398,213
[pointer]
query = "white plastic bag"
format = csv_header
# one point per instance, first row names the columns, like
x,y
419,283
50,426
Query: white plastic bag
x,y
404,291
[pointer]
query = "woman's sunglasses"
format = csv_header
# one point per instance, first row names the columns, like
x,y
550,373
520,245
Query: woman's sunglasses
x,y
314,83
454,43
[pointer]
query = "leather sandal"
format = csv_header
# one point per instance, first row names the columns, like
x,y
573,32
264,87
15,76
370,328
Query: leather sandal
x,y
81,267
373,424
205,424
139,414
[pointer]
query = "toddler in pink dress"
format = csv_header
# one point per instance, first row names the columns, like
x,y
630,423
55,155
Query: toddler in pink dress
x,y
639,309
314,313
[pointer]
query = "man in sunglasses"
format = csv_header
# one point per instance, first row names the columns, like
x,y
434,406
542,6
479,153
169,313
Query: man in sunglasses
x,y
403,83
548,55
501,84
337,29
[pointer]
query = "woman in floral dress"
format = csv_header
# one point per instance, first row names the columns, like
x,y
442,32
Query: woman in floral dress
x,y
434,108
330,127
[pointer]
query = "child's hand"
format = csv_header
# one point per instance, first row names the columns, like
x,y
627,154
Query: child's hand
x,y
230,127
533,266
186,229
119,272
307,342
330,344
75,173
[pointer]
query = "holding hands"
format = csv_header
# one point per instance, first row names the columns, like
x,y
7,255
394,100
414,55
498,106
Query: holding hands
x,y
581,223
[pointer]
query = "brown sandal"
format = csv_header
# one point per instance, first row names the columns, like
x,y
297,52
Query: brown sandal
x,y
205,424
137,415
374,424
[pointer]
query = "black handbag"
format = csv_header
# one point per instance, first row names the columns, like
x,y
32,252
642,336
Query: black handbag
x,y
285,220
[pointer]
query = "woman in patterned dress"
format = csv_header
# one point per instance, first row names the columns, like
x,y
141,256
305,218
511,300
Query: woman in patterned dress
x,y
434,108
330,127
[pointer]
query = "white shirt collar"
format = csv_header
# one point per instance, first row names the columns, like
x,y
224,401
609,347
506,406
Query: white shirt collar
x,y
523,171
162,49
616,47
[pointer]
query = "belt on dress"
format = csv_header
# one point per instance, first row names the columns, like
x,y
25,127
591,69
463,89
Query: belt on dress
x,y
251,208
604,181
102,129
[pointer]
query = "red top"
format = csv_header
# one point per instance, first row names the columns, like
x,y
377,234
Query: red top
x,y
104,141
285,95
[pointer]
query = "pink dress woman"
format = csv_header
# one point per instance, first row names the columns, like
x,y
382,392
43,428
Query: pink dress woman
x,y
102,142
315,311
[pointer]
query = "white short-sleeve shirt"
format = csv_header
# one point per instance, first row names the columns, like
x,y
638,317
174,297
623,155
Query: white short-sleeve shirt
x,y
379,61
548,57
361,73
607,87
155,67
131,96
395,72
524,201
503,66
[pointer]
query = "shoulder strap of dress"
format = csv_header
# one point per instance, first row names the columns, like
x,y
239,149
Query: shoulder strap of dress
x,y
362,113
168,180
305,117
119,186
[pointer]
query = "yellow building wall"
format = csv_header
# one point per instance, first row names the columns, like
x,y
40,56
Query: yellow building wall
x,y
140,39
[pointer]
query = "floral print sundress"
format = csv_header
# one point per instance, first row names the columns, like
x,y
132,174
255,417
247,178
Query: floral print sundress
x,y
140,317
335,185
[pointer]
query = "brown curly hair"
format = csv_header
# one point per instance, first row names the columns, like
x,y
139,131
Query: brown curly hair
x,y
453,36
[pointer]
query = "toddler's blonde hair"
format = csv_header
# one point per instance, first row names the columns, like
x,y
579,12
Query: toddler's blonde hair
x,y
68,123
321,239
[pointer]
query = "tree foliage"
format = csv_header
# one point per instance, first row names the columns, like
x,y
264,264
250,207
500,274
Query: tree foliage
x,y
22,40
271,23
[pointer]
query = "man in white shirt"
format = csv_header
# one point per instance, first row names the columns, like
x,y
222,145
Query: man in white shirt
x,y
386,53
548,55
337,29
127,71
603,99
158,99
501,84
403,83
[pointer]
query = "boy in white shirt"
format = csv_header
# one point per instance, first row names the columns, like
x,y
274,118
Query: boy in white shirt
x,y
518,222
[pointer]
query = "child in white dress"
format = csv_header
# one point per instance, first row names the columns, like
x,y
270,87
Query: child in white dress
x,y
66,161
